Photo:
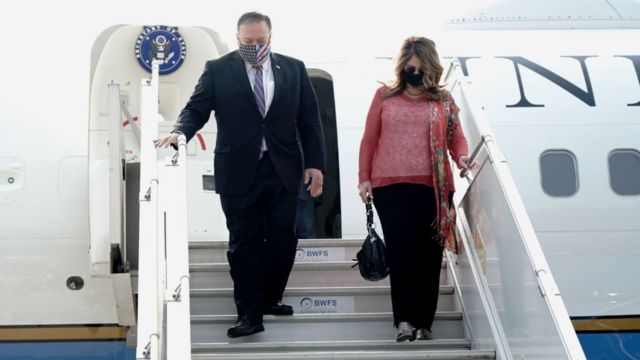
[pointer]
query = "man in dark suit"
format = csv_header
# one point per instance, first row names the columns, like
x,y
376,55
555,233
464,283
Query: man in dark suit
x,y
268,126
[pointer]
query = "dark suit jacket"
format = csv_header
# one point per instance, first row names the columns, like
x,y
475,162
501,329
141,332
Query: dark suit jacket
x,y
291,128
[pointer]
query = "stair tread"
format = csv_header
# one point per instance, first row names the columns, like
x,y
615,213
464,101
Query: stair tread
x,y
453,354
440,315
223,244
327,291
320,345
223,266
319,265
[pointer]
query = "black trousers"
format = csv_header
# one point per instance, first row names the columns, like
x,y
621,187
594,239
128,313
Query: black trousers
x,y
407,212
262,240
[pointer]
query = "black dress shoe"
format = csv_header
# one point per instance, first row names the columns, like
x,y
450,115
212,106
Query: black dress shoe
x,y
406,332
244,327
278,309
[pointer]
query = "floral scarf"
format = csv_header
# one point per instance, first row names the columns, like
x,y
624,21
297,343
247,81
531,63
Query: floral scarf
x,y
440,139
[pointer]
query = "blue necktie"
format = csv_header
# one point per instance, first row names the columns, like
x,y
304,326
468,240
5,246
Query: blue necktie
x,y
258,91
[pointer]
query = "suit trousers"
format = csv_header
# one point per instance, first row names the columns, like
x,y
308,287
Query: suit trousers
x,y
262,240
407,213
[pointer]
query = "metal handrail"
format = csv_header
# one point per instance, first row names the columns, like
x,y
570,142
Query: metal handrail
x,y
164,282
174,207
547,284
151,255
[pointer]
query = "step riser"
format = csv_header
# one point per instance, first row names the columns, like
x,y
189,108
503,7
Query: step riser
x,y
303,254
223,305
298,278
320,331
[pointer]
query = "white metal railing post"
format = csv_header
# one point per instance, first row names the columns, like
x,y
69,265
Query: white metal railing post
x,y
116,169
174,207
150,293
111,204
161,238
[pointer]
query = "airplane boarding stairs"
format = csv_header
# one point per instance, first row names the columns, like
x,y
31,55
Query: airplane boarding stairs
x,y
498,299
338,315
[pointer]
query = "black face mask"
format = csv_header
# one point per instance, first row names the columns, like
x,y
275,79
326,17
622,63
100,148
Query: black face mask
x,y
414,79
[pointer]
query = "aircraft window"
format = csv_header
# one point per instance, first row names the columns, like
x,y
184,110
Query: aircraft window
x,y
559,173
624,171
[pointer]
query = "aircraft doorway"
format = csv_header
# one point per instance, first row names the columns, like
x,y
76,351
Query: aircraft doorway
x,y
328,222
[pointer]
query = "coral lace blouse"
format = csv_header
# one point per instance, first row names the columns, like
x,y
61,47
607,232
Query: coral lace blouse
x,y
395,147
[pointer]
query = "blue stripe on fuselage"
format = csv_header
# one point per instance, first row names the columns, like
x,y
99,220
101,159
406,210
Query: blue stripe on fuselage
x,y
67,350
610,345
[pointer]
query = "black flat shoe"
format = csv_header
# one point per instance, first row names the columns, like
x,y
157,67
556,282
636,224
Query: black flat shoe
x,y
244,327
278,309
424,334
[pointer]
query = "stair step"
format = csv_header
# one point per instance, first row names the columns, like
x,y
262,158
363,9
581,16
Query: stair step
x,y
223,243
308,250
313,346
301,291
355,299
320,274
319,327
317,318
368,355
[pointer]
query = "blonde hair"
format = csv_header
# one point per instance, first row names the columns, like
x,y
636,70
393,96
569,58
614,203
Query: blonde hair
x,y
425,50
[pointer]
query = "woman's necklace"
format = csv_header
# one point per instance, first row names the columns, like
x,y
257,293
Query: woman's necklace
x,y
419,93
414,96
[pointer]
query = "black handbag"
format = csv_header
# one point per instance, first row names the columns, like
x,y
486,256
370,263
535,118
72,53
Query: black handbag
x,y
371,259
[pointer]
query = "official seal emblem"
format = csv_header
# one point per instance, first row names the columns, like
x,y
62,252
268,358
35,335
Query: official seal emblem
x,y
163,43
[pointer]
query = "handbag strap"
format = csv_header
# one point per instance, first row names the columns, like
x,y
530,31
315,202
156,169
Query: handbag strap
x,y
370,224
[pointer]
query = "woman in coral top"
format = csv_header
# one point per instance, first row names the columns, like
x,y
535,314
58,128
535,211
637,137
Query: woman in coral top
x,y
411,126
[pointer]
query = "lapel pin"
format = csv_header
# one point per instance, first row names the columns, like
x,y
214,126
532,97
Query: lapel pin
x,y
277,66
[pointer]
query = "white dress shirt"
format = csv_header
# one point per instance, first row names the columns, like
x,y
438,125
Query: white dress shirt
x,y
267,80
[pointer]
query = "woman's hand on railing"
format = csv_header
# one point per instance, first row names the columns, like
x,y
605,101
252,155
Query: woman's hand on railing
x,y
463,162
365,190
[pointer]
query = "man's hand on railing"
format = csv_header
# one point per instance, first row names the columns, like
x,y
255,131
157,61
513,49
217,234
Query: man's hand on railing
x,y
171,139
